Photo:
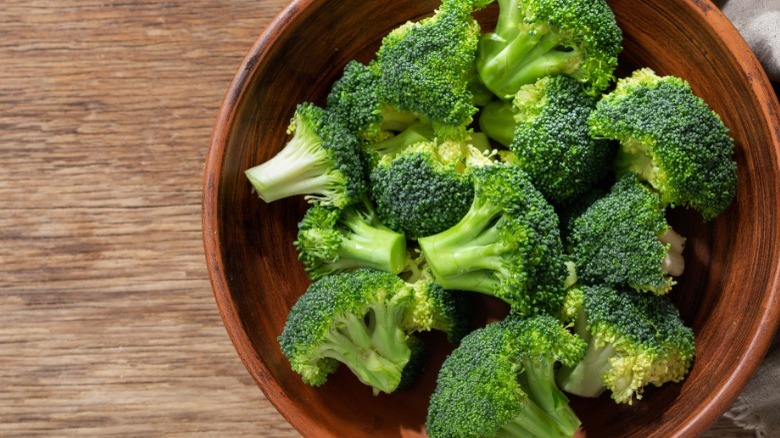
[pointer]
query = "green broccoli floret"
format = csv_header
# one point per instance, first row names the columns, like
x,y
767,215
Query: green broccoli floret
x,y
536,38
361,319
321,160
356,100
439,309
551,141
507,245
427,67
634,340
425,189
671,138
624,238
335,240
500,381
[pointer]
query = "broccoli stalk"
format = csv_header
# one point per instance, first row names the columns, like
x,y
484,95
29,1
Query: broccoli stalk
x,y
537,38
376,351
320,161
332,240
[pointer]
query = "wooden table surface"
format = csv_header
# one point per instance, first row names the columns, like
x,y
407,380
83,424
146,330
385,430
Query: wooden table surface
x,y
108,325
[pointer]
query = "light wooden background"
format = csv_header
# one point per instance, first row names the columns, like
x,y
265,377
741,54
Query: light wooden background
x,y
107,321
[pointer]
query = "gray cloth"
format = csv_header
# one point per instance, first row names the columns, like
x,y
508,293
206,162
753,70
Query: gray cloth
x,y
759,23
758,406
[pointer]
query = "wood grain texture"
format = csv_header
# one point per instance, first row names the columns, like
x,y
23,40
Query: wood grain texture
x,y
108,325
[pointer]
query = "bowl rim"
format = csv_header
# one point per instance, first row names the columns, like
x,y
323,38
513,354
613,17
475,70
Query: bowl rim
x,y
700,420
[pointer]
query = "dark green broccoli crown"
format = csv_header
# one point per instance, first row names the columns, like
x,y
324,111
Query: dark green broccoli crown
x,y
507,245
536,38
477,392
425,68
616,240
322,160
650,339
420,191
671,138
336,240
355,318
354,98
551,140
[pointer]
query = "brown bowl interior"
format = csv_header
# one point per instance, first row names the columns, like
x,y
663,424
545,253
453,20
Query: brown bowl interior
x,y
729,293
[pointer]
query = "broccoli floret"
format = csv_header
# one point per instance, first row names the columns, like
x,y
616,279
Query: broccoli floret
x,y
500,381
359,319
439,309
355,99
321,161
335,240
427,67
634,340
551,141
507,245
671,138
536,38
620,239
425,189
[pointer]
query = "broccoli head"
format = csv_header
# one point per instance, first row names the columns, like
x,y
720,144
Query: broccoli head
x,y
358,319
623,238
427,66
321,161
425,188
551,140
335,240
506,245
671,138
356,100
634,340
500,381
536,38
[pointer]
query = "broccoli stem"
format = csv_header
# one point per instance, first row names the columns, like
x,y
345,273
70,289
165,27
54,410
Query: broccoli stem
x,y
497,120
533,420
371,247
633,157
464,256
539,382
395,144
299,168
674,262
395,120
584,379
376,354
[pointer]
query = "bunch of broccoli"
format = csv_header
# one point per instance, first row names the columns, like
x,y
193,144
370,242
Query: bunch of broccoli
x,y
460,162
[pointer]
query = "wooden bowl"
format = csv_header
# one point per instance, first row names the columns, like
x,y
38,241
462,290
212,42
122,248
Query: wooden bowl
x,y
729,293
